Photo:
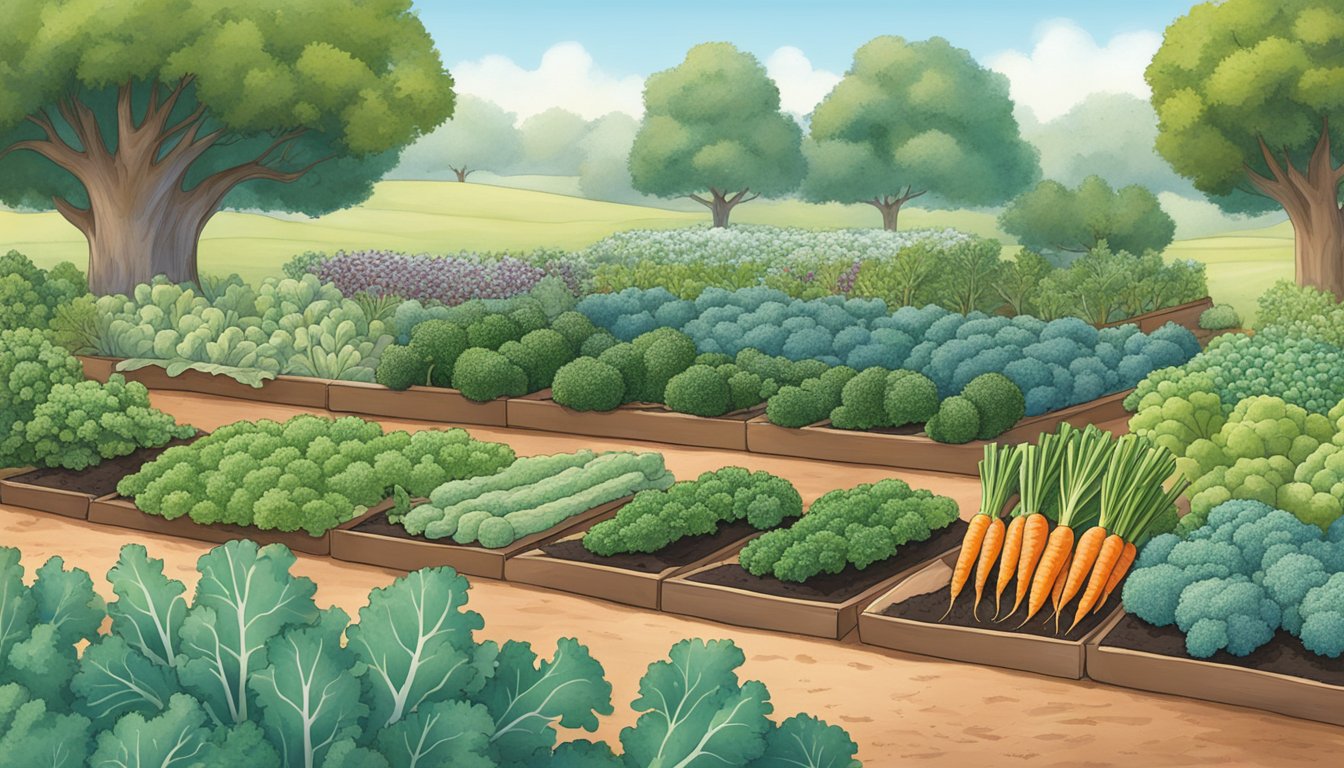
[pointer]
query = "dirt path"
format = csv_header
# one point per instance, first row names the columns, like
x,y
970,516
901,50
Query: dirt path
x,y
900,708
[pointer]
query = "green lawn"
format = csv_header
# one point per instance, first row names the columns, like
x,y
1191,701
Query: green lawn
x,y
439,217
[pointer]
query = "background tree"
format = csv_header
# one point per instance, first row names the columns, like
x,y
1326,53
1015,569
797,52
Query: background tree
x,y
604,173
713,123
1249,107
551,143
480,137
139,125
1052,217
910,119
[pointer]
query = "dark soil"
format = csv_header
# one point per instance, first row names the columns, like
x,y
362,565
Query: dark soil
x,y
98,480
679,553
837,587
908,430
1283,655
930,607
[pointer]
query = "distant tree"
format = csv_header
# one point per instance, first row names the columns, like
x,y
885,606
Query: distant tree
x,y
1248,99
1052,217
604,173
916,118
714,123
1110,135
139,124
480,137
551,143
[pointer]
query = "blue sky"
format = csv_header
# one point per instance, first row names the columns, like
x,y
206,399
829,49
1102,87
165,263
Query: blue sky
x,y
636,38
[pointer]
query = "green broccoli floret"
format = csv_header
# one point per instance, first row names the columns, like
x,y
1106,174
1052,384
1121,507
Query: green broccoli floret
x,y
440,343
403,367
699,390
1220,317
745,390
911,398
588,385
483,374
1317,492
629,362
549,350
491,331
957,421
666,352
999,402
1177,422
597,344
862,401
578,330
1226,613
1323,618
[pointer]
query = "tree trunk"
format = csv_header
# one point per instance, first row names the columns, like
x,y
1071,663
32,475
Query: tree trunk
x,y
141,220
1311,200
890,206
720,205
461,173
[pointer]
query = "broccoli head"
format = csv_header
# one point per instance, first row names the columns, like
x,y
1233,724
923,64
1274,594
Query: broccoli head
x,y
1233,614
911,398
957,421
586,384
439,342
484,374
1323,618
998,401
862,401
491,331
699,390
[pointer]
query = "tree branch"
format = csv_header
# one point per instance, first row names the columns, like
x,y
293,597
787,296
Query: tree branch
x,y
82,218
60,154
701,200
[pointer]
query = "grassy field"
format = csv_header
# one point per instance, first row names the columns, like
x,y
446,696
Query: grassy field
x,y
441,217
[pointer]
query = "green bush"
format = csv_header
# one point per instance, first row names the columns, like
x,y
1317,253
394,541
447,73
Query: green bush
x,y
484,374
586,384
550,350
576,328
911,398
440,343
747,390
861,401
29,295
998,401
402,368
957,421
491,331
699,391
666,352
810,402
598,343
83,423
1220,317
629,362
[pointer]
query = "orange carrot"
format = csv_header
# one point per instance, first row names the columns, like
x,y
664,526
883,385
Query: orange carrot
x,y
970,547
1012,548
1089,544
1118,573
1058,590
1036,532
1056,552
989,553
1107,559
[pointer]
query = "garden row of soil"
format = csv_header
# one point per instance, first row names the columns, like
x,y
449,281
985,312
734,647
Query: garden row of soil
x,y
69,492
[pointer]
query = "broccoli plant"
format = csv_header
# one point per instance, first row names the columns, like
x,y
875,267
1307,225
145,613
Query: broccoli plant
x,y
30,297
587,384
249,671
855,527
656,518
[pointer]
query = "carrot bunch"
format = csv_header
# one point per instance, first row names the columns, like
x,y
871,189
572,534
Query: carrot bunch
x,y
1100,494
984,538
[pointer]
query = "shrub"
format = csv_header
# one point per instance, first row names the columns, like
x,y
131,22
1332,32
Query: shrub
x,y
629,362
998,402
862,401
586,384
957,421
700,391
402,368
911,398
666,353
1219,317
30,296
440,343
308,473
491,331
80,424
483,374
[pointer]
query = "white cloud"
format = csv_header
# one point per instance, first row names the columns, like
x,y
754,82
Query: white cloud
x,y
566,77
801,87
1067,64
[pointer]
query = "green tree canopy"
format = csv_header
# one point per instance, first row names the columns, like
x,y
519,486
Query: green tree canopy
x,y
140,119
1250,108
604,173
480,137
714,123
552,143
918,118
1051,217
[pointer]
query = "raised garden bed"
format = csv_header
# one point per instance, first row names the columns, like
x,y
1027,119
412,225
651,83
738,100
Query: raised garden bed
x,y
824,606
631,579
636,421
908,447
301,391
420,403
1182,314
373,540
122,512
1281,676
69,492
909,618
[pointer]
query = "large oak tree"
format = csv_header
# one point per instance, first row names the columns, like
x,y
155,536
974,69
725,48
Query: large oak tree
x,y
138,120
1250,102
713,123
915,118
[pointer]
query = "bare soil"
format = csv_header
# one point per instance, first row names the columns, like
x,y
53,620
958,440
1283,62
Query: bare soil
x,y
98,480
